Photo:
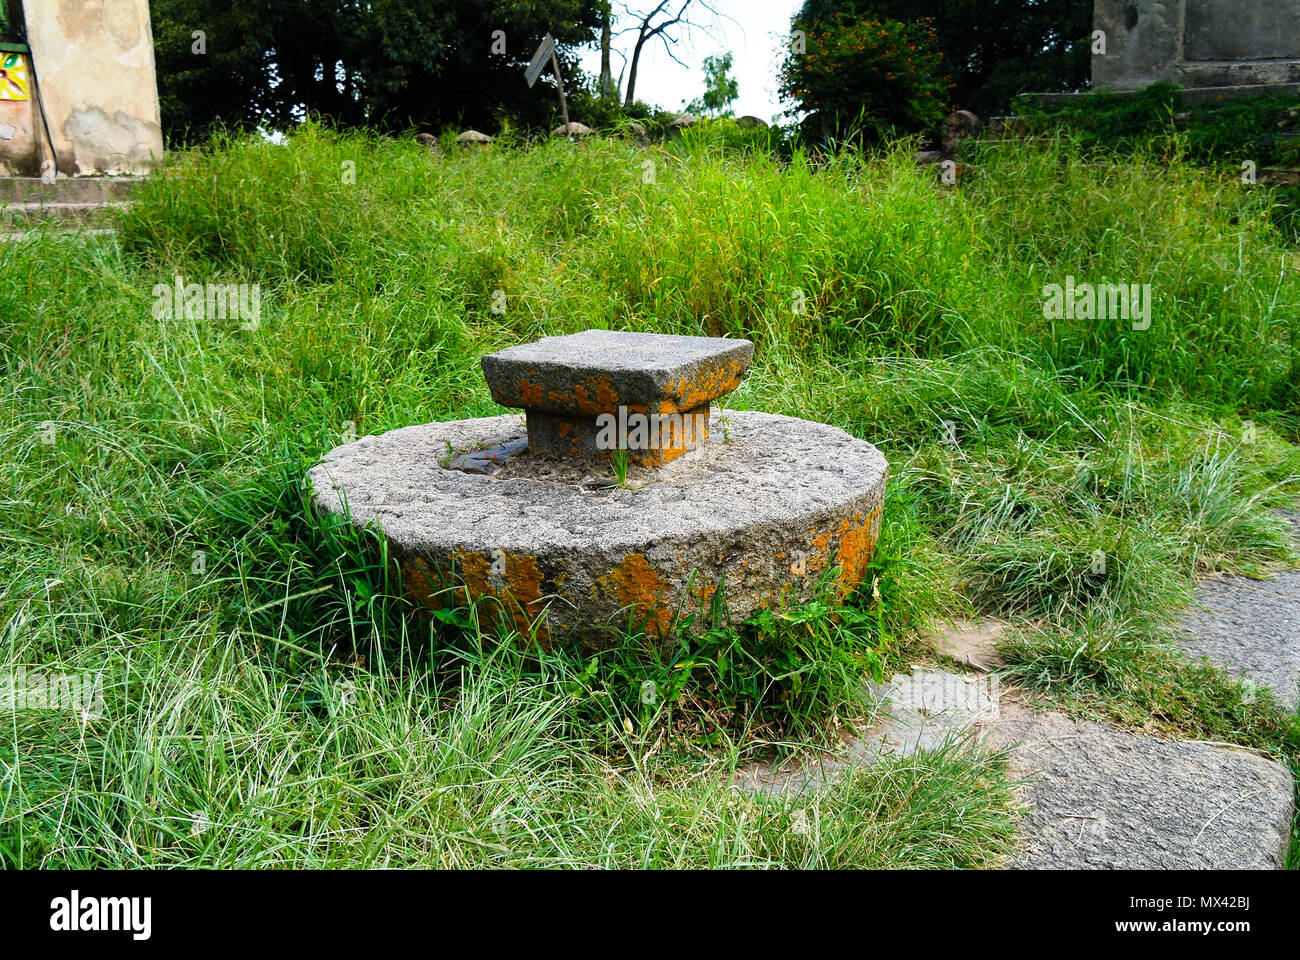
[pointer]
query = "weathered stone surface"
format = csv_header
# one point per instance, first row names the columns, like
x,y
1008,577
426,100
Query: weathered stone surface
x,y
769,512
924,710
567,383
1250,627
597,370
972,643
1196,43
1102,798
473,137
958,126
489,460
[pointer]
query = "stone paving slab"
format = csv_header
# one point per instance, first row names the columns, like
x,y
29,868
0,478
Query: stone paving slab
x,y
1102,798
1251,628
921,711
1094,796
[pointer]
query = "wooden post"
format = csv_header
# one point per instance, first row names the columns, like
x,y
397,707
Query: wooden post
x,y
559,82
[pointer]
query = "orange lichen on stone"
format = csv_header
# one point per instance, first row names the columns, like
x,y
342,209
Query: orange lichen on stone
x,y
687,394
606,395
857,544
425,585
705,594
850,546
530,392
639,589
520,593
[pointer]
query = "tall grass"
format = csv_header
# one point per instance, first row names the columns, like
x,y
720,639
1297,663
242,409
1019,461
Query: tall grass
x,y
267,702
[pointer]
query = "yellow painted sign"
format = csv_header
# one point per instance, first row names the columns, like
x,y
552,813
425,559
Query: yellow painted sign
x,y
13,77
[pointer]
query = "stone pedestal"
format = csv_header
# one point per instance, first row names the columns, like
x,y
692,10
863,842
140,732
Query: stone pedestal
x,y
593,393
766,511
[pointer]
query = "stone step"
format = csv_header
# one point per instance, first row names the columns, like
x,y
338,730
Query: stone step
x,y
69,229
28,214
67,189
1100,798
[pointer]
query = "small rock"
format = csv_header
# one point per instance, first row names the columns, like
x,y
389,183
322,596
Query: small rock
x,y
681,123
572,129
1007,126
957,126
473,138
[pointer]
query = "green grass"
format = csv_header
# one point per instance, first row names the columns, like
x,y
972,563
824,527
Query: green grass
x,y
261,675
1223,131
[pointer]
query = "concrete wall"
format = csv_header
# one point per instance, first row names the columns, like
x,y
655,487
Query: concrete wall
x,y
95,67
1196,43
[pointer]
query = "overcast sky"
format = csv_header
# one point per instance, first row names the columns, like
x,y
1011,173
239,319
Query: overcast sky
x,y
755,34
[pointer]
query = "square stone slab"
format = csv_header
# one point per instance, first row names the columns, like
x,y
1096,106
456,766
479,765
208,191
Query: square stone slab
x,y
597,371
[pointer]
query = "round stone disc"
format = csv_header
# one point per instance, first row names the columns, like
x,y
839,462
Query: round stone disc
x,y
755,518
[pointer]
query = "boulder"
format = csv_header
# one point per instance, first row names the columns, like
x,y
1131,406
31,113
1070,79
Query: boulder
x,y
681,123
957,126
572,129
473,138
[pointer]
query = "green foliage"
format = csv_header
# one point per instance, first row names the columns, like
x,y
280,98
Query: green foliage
x,y
720,90
388,65
993,50
872,77
1156,118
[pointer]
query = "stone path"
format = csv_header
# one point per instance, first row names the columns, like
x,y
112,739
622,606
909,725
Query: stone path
x,y
1094,796
1097,797
1251,627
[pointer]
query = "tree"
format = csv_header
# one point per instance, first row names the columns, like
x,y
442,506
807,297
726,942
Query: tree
x,y
662,23
389,64
993,49
720,90
866,77
606,26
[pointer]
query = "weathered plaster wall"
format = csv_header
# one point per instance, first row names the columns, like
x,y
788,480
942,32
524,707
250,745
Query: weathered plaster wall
x,y
94,62
1196,43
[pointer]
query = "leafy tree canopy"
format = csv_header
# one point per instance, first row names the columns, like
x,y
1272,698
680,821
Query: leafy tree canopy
x,y
992,49
390,64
